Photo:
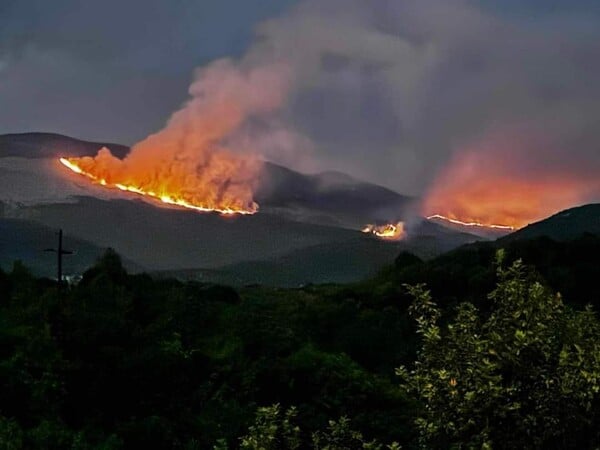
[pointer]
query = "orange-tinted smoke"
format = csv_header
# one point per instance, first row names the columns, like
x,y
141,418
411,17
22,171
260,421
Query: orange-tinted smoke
x,y
504,182
189,159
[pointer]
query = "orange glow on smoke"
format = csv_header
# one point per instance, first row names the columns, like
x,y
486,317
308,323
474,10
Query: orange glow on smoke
x,y
196,160
391,231
501,185
164,193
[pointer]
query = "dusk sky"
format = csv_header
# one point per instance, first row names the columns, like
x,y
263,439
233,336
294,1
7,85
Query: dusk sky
x,y
386,90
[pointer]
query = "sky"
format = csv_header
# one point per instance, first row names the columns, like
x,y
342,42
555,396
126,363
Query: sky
x,y
387,90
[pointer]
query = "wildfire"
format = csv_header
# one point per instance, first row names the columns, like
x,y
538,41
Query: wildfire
x,y
205,158
389,231
506,181
162,195
471,224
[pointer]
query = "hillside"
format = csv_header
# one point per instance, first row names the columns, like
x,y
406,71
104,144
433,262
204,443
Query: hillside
x,y
22,240
302,217
329,198
134,361
564,250
51,145
330,262
564,225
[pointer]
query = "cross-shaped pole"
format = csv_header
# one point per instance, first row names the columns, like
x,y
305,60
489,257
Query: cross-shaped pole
x,y
59,254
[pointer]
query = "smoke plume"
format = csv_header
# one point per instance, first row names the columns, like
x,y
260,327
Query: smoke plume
x,y
444,99
189,161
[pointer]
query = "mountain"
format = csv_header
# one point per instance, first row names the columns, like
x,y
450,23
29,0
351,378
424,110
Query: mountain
x,y
330,198
565,225
50,145
169,238
329,262
303,218
563,248
478,230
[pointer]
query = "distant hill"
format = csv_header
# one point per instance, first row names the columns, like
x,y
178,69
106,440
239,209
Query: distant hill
x,y
482,231
563,248
565,225
328,198
330,262
50,145
307,229
466,274
25,241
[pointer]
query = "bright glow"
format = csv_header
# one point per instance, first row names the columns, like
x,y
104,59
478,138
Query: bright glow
x,y
167,198
471,224
391,231
74,168
502,181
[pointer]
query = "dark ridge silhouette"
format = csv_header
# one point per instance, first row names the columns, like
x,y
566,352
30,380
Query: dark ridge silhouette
x,y
565,225
51,145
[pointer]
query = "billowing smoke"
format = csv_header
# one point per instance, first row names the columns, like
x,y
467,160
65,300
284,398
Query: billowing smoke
x,y
439,98
189,161
511,178
488,116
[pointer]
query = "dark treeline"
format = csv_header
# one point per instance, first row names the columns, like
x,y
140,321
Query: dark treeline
x,y
129,361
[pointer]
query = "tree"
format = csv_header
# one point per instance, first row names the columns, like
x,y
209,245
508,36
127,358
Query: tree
x,y
525,376
272,430
275,429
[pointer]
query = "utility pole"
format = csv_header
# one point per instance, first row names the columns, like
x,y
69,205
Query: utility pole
x,y
59,254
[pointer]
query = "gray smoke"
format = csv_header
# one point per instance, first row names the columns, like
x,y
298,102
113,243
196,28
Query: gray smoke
x,y
390,90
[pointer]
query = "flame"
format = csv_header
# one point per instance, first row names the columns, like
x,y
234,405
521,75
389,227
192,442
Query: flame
x,y
197,160
507,181
162,196
389,231
471,224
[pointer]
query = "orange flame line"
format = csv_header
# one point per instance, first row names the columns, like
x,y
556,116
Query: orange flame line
x,y
168,199
471,224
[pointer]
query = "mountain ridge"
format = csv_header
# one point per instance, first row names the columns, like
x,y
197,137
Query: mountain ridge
x,y
564,225
301,217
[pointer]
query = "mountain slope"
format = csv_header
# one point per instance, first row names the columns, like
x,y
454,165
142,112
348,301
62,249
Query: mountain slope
x,y
329,198
565,225
302,218
51,145
167,238
331,262
25,241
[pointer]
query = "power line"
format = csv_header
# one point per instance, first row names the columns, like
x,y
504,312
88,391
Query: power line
x,y
59,254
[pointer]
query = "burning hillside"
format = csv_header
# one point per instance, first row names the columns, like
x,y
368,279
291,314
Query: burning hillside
x,y
391,231
470,224
189,162
493,184
171,195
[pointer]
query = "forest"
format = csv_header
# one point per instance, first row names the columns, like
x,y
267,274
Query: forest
x,y
486,347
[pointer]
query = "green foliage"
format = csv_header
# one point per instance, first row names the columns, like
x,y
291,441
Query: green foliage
x,y
339,436
525,376
272,430
11,435
277,430
123,361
